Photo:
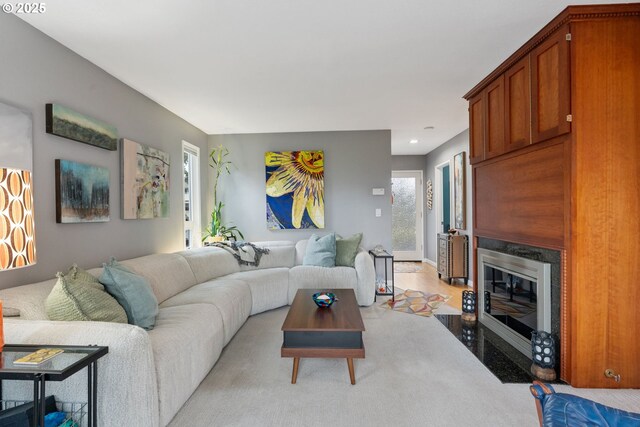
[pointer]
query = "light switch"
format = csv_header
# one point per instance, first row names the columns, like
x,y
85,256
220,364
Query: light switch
x,y
378,212
378,192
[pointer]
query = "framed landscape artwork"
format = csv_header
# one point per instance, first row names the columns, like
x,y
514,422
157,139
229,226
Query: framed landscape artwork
x,y
145,181
459,196
295,189
82,192
65,122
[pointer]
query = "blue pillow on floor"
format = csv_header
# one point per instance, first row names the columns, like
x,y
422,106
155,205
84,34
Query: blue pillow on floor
x,y
321,251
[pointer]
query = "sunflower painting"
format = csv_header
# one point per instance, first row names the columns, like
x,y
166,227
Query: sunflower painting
x,y
295,189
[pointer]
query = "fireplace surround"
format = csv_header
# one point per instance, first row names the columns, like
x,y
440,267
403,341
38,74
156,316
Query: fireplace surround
x,y
514,296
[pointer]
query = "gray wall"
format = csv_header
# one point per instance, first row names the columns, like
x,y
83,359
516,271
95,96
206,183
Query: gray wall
x,y
37,70
407,163
443,153
355,162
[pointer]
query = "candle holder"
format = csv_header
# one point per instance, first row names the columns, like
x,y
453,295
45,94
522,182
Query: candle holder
x,y
469,306
543,355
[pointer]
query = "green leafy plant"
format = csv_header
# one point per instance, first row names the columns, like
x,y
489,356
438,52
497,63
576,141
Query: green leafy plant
x,y
217,228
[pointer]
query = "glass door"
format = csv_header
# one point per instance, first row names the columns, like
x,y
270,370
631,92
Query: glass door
x,y
406,214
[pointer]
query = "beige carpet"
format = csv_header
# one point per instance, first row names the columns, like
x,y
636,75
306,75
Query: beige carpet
x,y
415,374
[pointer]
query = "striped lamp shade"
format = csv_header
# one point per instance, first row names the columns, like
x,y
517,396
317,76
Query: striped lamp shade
x,y
17,236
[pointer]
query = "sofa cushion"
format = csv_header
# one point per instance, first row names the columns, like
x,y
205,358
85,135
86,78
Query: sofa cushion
x,y
269,288
281,254
133,292
28,299
78,296
186,342
231,297
347,249
312,277
210,262
321,251
168,274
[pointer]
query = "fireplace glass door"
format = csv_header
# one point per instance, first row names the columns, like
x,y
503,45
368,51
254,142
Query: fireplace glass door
x,y
511,299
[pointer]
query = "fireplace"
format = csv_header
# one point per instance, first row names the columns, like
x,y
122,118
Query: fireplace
x,y
514,296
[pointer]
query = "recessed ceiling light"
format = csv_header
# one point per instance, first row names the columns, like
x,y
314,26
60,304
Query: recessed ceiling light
x,y
429,127
413,141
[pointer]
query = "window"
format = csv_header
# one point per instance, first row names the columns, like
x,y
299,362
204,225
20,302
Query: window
x,y
191,163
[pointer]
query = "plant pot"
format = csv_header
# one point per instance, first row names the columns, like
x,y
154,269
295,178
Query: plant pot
x,y
218,238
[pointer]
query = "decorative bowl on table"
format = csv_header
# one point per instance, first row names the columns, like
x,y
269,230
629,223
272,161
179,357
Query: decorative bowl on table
x,y
324,299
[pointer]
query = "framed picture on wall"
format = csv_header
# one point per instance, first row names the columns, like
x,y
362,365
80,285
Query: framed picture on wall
x,y
82,192
459,194
295,189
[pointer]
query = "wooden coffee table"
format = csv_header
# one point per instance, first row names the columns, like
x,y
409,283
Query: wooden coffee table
x,y
334,332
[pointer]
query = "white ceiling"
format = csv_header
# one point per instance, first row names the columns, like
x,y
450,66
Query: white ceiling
x,y
248,66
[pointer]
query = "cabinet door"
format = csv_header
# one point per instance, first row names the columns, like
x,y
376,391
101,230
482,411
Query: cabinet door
x,y
476,129
517,89
494,121
550,87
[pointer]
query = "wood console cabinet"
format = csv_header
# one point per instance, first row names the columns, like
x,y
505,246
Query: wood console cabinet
x,y
453,257
567,177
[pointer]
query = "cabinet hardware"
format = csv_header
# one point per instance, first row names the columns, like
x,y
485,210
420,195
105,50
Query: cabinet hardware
x,y
569,117
610,373
568,37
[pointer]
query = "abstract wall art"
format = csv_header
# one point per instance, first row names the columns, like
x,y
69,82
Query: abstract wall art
x,y
145,181
459,194
295,189
82,192
65,122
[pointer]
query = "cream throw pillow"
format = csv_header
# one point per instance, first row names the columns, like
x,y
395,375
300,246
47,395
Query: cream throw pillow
x,y
78,295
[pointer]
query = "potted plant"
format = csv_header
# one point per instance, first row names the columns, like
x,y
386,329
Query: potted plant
x,y
217,230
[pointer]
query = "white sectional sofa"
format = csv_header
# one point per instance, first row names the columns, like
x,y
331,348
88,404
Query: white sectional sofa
x,y
205,297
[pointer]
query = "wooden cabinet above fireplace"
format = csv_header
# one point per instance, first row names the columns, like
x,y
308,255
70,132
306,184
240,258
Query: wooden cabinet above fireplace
x,y
555,148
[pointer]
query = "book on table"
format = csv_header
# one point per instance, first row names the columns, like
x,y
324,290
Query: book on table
x,y
38,357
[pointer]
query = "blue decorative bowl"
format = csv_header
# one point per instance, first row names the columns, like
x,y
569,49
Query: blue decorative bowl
x,y
324,299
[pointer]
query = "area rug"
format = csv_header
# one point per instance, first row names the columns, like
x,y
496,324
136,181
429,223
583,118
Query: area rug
x,y
416,302
406,267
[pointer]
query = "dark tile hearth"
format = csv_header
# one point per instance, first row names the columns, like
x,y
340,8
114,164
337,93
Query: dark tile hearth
x,y
504,361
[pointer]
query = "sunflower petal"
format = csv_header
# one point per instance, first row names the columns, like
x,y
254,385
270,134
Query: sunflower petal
x,y
315,208
299,204
274,158
278,184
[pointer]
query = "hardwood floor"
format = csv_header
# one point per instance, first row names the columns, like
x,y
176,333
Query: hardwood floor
x,y
427,281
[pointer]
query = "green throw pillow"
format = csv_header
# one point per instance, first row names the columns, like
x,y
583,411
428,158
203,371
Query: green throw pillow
x,y
133,292
78,295
321,251
347,249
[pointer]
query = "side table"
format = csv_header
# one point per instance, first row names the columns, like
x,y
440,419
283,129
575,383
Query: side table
x,y
389,286
58,368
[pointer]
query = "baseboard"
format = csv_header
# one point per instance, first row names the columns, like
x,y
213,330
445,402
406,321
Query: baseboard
x,y
428,261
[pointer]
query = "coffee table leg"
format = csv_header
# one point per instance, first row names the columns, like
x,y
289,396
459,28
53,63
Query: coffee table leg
x,y
294,376
352,374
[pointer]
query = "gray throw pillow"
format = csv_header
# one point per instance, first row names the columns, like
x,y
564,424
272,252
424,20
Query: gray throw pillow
x,y
133,292
347,249
321,251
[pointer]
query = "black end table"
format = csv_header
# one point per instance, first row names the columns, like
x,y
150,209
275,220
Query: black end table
x,y
387,259
62,366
